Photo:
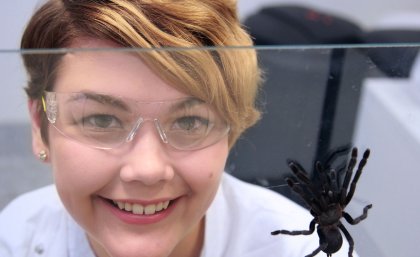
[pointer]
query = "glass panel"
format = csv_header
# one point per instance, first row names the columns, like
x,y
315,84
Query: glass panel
x,y
315,101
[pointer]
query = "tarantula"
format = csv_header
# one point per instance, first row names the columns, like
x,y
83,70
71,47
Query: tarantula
x,y
327,201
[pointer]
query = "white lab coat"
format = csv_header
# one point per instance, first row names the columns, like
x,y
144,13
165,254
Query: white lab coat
x,y
238,224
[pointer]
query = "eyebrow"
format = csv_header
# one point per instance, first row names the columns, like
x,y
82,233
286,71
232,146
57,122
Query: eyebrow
x,y
115,101
102,99
189,102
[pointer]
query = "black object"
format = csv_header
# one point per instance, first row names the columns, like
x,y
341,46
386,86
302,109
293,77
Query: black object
x,y
394,62
296,25
327,200
302,114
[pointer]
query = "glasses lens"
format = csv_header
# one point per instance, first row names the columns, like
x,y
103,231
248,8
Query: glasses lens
x,y
104,121
93,119
192,124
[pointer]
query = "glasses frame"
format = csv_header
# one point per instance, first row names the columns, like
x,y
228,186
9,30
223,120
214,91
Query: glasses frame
x,y
50,109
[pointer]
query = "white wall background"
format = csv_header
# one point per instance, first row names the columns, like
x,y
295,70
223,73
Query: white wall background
x,y
13,17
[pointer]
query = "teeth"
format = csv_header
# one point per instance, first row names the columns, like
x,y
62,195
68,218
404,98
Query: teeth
x,y
165,204
137,208
159,206
140,209
150,209
128,207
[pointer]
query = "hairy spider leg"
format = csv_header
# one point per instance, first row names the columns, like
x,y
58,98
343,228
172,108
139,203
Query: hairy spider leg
x,y
297,232
334,189
319,249
349,239
330,185
340,172
335,181
362,164
327,163
311,202
299,172
326,195
350,168
354,221
322,175
331,182
349,173
302,175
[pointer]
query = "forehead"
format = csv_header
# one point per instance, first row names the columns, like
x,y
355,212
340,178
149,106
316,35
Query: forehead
x,y
90,101
111,72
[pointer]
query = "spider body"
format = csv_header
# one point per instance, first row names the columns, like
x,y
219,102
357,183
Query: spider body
x,y
327,201
330,236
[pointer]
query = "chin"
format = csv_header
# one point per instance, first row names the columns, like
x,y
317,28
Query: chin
x,y
137,252
135,248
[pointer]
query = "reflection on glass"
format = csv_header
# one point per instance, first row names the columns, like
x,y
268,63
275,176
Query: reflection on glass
x,y
314,100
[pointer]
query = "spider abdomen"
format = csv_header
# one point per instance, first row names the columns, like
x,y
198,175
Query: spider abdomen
x,y
332,236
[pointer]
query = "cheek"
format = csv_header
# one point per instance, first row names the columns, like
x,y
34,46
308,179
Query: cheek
x,y
78,170
202,169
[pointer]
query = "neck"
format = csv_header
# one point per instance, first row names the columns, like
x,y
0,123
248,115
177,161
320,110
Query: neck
x,y
192,244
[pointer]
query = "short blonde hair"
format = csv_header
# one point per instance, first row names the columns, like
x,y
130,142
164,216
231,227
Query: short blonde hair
x,y
226,75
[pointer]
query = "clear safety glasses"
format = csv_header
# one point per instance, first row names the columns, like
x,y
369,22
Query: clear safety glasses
x,y
106,121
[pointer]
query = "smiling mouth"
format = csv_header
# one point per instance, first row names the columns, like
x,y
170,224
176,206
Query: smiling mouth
x,y
140,209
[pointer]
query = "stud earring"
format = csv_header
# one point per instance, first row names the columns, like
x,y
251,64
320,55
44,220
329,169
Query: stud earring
x,y
42,155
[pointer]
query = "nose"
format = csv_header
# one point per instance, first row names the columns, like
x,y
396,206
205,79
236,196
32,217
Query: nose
x,y
146,160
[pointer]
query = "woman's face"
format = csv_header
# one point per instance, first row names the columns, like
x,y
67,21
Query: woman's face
x,y
142,174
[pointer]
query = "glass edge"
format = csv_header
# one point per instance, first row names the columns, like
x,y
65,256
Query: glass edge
x,y
212,48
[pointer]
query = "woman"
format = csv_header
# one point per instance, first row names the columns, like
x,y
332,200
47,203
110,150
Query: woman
x,y
137,140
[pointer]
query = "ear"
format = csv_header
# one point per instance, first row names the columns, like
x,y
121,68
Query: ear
x,y
38,144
